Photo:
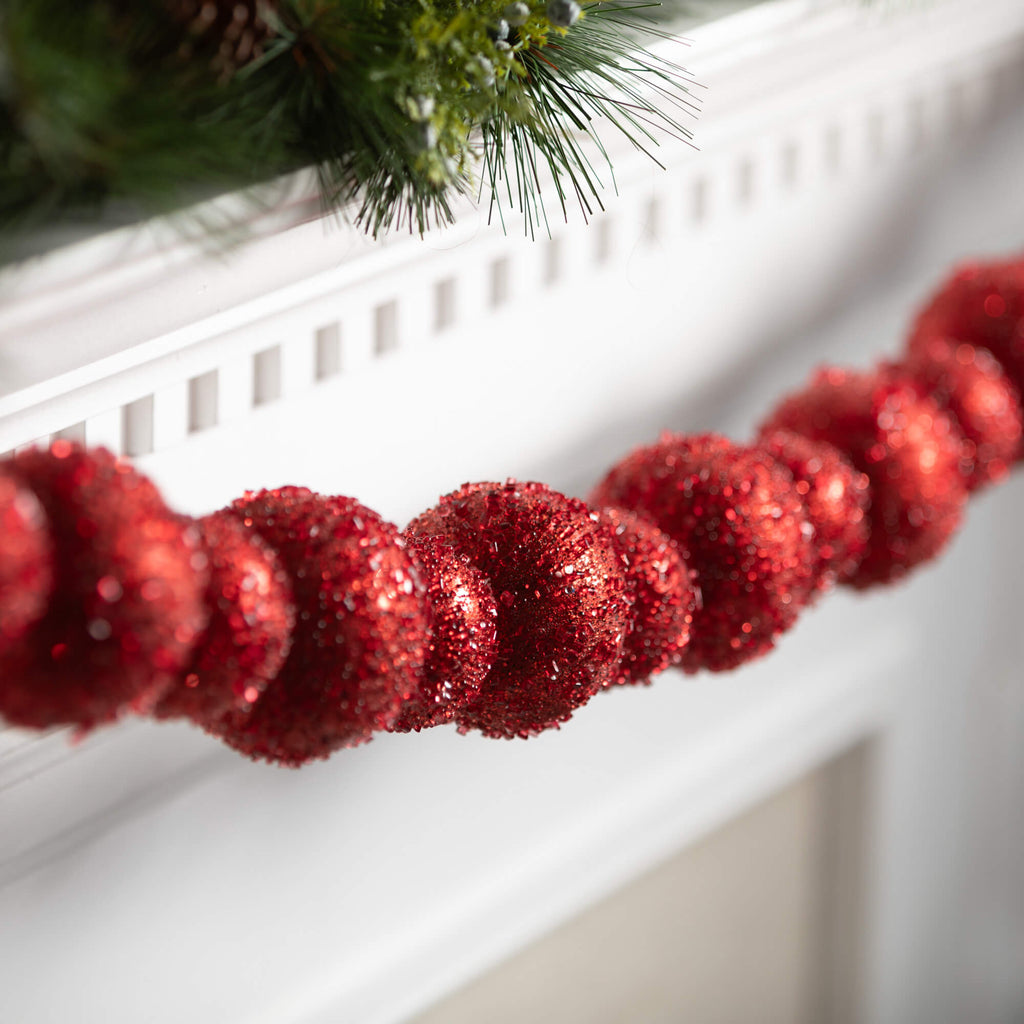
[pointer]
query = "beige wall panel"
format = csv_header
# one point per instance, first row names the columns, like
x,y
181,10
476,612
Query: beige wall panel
x,y
739,928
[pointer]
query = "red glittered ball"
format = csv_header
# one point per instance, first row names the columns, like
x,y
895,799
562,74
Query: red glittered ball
x,y
910,450
971,384
837,497
463,644
127,601
739,522
981,304
662,589
249,598
562,605
361,630
26,560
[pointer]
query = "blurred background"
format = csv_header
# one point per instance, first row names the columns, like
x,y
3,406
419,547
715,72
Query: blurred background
x,y
832,834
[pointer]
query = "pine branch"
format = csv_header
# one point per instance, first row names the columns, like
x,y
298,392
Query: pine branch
x,y
395,103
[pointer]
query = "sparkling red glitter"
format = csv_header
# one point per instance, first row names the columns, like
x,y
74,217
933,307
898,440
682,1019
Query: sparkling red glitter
x,y
361,632
973,386
837,497
981,304
26,560
127,598
518,603
908,446
562,605
739,522
662,589
249,598
463,642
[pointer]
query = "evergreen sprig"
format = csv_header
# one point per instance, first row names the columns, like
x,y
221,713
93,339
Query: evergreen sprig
x,y
397,103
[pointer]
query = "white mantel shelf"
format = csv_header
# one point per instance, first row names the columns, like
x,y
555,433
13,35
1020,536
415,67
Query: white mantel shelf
x,y
848,159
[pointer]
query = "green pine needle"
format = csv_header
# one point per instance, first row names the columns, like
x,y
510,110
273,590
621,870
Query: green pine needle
x,y
398,105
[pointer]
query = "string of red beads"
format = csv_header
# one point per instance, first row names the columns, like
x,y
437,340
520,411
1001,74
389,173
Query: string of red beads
x,y
292,624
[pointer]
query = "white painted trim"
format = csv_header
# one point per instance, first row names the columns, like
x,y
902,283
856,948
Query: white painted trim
x,y
171,881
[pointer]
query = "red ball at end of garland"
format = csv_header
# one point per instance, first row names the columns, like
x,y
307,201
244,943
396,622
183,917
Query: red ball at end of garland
x,y
361,630
836,496
26,560
972,385
561,599
127,604
463,643
663,592
981,304
906,444
249,598
739,522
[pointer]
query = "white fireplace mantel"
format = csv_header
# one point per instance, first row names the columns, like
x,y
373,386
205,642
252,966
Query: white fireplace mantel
x,y
847,158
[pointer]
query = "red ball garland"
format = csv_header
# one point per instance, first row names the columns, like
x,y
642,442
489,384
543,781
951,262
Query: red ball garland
x,y
562,605
127,600
739,522
249,597
972,385
464,642
303,623
663,592
26,560
981,304
361,632
909,448
836,496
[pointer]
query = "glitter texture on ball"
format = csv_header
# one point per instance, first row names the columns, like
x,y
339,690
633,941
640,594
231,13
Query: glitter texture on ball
x,y
249,599
739,522
971,384
561,599
981,304
463,642
908,446
662,589
127,602
361,631
26,560
836,496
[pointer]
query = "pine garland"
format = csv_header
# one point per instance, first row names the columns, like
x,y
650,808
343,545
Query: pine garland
x,y
399,104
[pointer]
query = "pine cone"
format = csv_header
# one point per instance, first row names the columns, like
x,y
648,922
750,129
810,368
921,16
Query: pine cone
x,y
229,33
